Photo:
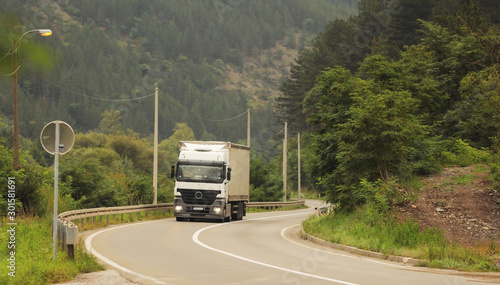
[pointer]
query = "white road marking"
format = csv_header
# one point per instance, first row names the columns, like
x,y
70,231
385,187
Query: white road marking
x,y
88,245
196,240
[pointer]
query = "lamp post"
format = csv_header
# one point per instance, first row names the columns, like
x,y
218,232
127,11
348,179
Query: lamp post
x,y
42,32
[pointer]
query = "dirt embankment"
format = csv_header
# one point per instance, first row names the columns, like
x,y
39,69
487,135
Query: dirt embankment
x,y
462,202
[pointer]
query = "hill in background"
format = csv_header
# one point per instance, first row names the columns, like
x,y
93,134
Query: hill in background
x,y
211,60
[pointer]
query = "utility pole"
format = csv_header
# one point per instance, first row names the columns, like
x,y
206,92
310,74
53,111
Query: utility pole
x,y
15,113
298,155
155,147
248,127
284,161
56,190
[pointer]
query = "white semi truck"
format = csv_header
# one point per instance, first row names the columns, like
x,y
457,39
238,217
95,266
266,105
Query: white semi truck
x,y
212,181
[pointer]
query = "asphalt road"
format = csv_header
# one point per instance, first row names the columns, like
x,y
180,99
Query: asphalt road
x,y
263,248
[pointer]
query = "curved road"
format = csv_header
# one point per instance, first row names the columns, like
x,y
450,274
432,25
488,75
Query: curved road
x,y
261,249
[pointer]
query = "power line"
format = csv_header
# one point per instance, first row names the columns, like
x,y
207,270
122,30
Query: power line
x,y
225,120
263,129
168,99
101,99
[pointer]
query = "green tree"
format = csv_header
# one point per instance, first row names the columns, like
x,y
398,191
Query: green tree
x,y
265,182
363,129
86,179
135,149
403,25
328,103
110,122
332,47
379,139
478,113
170,146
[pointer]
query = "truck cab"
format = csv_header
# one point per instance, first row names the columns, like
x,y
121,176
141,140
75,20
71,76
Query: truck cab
x,y
203,186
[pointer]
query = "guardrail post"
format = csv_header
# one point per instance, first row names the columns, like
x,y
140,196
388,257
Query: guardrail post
x,y
71,240
59,232
63,234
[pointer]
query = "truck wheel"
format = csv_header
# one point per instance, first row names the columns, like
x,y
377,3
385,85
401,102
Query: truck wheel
x,y
234,216
240,210
178,219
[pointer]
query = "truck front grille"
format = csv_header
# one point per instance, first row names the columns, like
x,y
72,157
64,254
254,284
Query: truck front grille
x,y
198,197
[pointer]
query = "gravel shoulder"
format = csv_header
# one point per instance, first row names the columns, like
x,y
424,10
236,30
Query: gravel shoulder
x,y
109,276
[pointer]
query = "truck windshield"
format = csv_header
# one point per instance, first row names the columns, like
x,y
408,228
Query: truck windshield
x,y
200,173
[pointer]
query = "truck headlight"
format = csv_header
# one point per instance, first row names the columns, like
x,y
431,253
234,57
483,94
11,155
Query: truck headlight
x,y
178,208
217,210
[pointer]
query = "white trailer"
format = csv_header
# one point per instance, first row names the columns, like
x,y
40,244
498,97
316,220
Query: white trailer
x,y
212,180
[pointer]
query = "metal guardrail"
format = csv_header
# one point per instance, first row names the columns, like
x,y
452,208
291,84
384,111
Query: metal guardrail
x,y
276,205
322,211
67,229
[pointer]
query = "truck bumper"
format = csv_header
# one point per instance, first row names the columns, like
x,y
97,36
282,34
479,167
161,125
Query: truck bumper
x,y
215,211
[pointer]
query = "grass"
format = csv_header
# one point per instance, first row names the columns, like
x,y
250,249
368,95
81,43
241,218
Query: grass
x,y
482,168
34,262
102,221
34,250
369,230
465,179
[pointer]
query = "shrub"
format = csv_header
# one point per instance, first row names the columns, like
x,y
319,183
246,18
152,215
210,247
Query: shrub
x,y
462,154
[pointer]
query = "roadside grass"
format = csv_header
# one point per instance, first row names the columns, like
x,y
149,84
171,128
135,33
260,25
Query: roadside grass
x,y
370,230
103,221
33,255
33,248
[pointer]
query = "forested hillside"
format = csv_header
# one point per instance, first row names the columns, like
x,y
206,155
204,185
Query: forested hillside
x,y
397,91
383,99
110,55
382,92
211,61
391,92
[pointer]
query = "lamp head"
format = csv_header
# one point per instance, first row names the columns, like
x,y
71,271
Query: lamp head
x,y
45,32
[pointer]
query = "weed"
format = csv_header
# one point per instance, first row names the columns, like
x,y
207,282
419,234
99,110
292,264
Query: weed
x,y
33,252
372,230
480,168
460,180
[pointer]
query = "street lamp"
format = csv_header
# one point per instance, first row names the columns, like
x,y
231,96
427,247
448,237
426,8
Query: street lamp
x,y
42,32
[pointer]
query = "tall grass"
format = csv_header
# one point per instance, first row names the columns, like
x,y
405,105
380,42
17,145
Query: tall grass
x,y
367,229
33,252
102,221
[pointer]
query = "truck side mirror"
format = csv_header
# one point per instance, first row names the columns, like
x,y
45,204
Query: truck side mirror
x,y
228,173
172,171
